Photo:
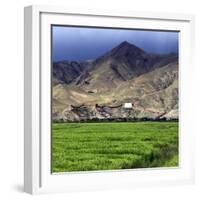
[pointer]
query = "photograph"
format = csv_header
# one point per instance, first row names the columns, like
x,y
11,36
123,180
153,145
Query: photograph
x,y
114,98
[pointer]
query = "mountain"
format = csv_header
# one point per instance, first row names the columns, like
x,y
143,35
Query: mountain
x,y
99,89
66,72
124,62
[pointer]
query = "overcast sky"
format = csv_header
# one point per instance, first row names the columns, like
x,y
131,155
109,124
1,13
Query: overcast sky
x,y
80,43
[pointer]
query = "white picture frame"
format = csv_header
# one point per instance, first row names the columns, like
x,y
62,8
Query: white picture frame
x,y
37,138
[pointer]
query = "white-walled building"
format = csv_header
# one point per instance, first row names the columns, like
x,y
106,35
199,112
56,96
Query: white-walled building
x,y
128,105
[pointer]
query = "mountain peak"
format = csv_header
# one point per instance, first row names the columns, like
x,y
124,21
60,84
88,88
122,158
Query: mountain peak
x,y
126,48
124,43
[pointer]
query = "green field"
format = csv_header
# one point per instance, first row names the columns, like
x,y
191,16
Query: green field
x,y
108,146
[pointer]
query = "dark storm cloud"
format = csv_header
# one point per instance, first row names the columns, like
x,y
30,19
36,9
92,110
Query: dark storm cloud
x,y
75,43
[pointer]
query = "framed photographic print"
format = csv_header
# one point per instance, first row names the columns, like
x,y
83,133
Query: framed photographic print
x,y
107,99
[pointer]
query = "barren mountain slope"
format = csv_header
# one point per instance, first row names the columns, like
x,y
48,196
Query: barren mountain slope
x,y
66,72
153,94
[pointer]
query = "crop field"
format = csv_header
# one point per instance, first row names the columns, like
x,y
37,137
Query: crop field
x,y
109,146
